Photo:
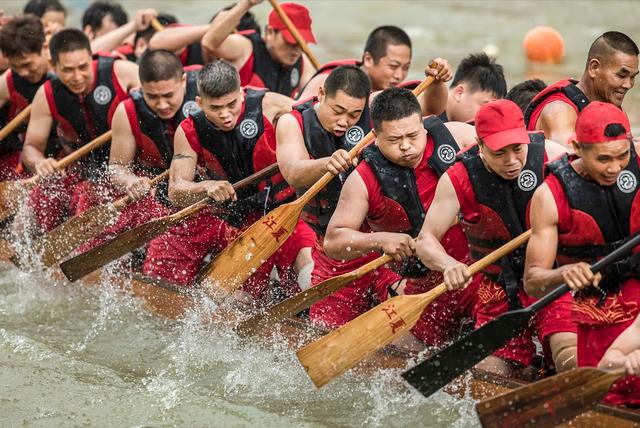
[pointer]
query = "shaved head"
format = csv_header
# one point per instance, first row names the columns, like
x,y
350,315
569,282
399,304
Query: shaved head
x,y
605,47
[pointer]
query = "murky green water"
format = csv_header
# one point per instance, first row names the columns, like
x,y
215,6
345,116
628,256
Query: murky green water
x,y
72,356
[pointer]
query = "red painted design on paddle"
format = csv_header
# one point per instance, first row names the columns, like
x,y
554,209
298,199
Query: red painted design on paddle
x,y
390,311
396,325
278,233
269,222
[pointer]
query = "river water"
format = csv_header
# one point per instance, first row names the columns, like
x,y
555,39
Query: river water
x,y
72,355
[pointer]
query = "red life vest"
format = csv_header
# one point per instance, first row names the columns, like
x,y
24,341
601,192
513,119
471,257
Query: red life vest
x,y
321,143
597,219
404,205
262,71
564,90
501,212
154,136
80,120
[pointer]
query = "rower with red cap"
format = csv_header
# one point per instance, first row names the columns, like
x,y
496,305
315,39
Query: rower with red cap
x,y
587,207
275,61
489,190
612,65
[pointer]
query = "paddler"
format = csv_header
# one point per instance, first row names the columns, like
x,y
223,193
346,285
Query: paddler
x,y
81,100
587,207
274,61
21,42
231,138
489,189
612,65
381,208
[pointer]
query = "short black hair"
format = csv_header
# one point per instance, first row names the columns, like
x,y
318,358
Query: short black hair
x,y
217,79
350,79
605,46
158,65
94,14
247,22
481,73
22,35
68,40
382,37
163,18
524,92
393,104
40,7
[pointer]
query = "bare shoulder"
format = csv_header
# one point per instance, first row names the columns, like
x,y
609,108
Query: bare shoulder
x,y
463,133
275,105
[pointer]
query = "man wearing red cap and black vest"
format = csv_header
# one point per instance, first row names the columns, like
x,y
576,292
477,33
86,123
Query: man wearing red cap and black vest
x,y
587,207
228,140
490,188
81,100
275,61
381,208
612,65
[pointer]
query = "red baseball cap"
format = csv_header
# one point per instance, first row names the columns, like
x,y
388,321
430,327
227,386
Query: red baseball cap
x,y
593,121
299,16
500,123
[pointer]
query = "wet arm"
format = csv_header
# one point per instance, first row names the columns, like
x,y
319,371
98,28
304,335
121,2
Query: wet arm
x,y
123,150
558,121
219,42
175,39
183,191
38,130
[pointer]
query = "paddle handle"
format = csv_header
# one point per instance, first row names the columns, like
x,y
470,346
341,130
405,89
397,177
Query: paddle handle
x,y
295,33
15,123
126,200
156,25
627,247
83,151
355,150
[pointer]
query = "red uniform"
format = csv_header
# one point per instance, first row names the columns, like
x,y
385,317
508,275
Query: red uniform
x,y
592,221
565,91
484,199
177,255
79,120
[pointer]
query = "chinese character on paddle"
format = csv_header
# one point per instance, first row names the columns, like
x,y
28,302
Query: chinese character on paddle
x,y
396,325
390,311
269,222
277,234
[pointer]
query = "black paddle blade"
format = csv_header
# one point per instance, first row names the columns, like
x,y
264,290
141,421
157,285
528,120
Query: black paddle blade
x,y
434,373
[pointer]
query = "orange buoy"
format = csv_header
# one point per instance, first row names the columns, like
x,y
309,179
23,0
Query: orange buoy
x,y
544,44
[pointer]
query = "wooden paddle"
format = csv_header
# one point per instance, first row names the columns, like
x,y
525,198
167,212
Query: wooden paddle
x,y
549,402
85,263
235,264
156,25
303,300
68,236
295,33
338,351
15,122
432,374
11,192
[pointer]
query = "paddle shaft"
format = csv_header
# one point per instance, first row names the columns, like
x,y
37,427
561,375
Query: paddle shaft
x,y
432,374
15,122
156,25
295,33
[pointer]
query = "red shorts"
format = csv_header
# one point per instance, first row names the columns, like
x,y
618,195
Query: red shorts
x,y
442,319
57,198
555,318
353,299
178,254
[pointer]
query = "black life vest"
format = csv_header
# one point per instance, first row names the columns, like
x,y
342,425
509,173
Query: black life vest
x,y
321,143
192,55
503,208
567,87
603,217
270,74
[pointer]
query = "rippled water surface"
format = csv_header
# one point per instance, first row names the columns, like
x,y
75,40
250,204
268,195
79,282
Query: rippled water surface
x,y
72,355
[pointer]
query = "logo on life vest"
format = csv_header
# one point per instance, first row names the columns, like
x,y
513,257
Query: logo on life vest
x,y
295,77
354,135
248,128
102,95
446,153
527,180
189,108
627,182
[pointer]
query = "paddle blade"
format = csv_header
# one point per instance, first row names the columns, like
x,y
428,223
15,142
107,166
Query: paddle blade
x,y
338,351
548,402
62,240
11,194
434,373
97,257
236,263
